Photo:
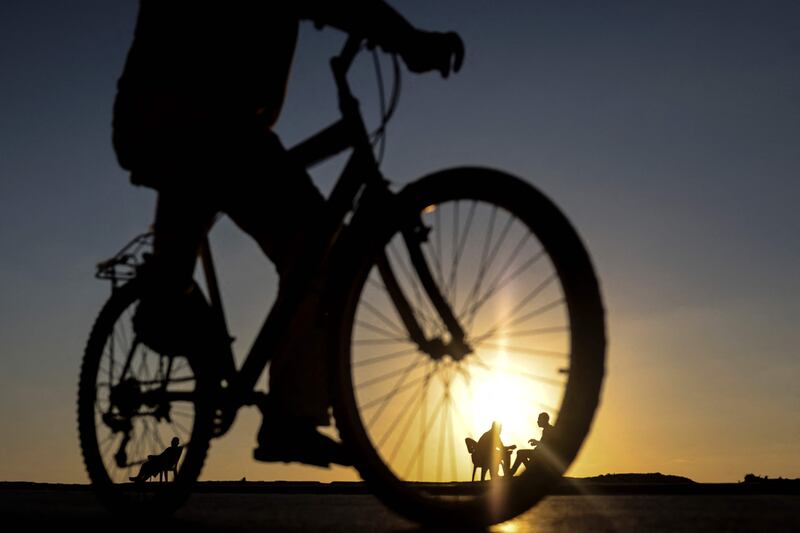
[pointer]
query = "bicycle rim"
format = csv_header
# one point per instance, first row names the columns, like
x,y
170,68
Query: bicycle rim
x,y
521,284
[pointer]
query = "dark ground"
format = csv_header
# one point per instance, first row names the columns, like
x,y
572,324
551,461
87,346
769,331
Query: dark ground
x,y
42,508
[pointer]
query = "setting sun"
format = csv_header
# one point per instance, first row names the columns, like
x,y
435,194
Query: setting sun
x,y
510,400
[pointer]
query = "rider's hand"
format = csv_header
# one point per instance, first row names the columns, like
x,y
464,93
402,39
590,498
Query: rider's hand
x,y
425,51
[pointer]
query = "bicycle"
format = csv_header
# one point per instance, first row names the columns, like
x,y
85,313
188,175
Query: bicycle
x,y
398,313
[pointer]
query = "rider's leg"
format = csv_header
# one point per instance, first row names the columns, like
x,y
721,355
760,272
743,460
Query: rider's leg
x,y
281,209
172,310
181,223
284,215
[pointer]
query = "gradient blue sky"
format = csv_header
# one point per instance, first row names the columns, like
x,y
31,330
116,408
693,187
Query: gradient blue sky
x,y
667,131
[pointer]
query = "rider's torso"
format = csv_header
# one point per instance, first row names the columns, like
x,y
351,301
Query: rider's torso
x,y
230,58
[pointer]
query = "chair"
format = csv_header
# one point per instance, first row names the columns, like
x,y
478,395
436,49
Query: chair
x,y
168,462
488,460
479,460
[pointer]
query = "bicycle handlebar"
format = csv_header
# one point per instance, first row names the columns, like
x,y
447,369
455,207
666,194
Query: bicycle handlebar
x,y
338,136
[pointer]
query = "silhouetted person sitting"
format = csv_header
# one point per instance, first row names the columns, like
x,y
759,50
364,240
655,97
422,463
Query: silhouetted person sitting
x,y
524,457
161,464
202,87
490,452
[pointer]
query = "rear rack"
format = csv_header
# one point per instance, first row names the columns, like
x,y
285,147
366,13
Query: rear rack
x,y
124,265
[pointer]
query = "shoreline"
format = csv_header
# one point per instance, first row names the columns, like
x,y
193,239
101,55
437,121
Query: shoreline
x,y
568,487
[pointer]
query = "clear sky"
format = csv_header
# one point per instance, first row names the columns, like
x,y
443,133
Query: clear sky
x,y
667,131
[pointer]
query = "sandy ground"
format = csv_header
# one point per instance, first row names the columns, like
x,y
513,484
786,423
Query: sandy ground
x,y
54,510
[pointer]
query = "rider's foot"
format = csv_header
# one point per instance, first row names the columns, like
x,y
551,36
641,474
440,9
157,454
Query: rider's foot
x,y
301,444
289,439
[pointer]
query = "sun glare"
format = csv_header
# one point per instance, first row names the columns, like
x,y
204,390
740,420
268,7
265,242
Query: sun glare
x,y
510,400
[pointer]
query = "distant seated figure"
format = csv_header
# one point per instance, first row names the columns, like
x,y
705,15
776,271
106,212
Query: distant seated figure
x,y
524,457
489,452
161,464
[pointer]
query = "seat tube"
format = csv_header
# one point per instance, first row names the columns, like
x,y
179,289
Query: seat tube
x,y
210,274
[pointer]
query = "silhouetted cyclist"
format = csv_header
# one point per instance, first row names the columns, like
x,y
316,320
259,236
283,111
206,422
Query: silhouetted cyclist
x,y
202,86
524,457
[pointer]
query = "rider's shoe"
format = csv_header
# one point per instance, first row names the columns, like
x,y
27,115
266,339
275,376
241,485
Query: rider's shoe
x,y
288,439
301,444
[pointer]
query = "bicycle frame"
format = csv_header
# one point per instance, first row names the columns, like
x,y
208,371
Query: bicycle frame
x,y
360,183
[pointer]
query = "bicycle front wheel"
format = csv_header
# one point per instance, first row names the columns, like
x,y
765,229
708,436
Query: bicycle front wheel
x,y
521,286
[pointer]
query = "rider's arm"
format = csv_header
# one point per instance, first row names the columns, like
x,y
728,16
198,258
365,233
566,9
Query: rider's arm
x,y
373,19
377,22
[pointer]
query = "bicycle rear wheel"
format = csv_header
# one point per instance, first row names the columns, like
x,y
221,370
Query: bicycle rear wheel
x,y
522,287
132,402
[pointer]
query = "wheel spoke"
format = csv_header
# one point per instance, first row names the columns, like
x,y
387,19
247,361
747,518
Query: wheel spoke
x,y
386,320
450,287
467,227
404,413
424,310
180,365
498,244
122,330
373,342
536,331
405,373
536,312
440,254
467,308
507,321
442,440
453,468
497,285
377,401
399,386
483,262
376,329
423,400
520,373
521,350
419,454
385,357
388,375
137,449
106,444
175,423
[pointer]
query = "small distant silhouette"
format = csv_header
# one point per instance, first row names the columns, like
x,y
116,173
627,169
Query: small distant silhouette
x,y
161,464
524,457
489,452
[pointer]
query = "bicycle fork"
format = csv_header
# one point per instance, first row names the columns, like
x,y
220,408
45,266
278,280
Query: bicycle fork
x,y
456,345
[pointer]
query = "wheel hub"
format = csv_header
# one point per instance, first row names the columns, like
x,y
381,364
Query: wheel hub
x,y
437,349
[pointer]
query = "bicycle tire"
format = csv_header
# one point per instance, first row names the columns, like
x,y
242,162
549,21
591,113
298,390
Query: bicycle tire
x,y
586,336
132,500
